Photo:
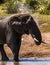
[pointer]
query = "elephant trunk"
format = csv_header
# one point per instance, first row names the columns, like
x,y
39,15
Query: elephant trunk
x,y
35,32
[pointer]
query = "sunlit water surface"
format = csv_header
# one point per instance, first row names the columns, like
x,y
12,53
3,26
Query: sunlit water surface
x,y
28,61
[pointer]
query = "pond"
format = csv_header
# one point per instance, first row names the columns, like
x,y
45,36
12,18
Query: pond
x,y
28,61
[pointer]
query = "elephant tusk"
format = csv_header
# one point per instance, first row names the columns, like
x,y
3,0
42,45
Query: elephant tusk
x,y
35,39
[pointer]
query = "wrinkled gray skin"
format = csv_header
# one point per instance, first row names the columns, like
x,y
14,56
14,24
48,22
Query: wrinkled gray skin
x,y
11,30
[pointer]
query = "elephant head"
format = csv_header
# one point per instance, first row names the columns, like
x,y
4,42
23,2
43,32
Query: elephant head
x,y
35,32
25,25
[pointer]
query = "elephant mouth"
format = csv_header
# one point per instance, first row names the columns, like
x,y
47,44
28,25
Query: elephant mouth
x,y
37,40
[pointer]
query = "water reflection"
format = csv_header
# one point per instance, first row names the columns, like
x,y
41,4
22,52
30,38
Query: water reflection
x,y
29,62
24,63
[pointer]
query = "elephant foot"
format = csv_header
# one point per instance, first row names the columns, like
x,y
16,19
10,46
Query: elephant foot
x,y
5,59
16,59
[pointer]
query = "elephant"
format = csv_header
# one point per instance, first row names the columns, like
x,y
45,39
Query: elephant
x,y
11,30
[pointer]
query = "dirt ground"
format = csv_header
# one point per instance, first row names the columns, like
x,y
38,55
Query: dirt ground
x,y
30,49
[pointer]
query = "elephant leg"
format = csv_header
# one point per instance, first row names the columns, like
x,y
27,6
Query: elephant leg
x,y
14,45
17,48
4,56
13,41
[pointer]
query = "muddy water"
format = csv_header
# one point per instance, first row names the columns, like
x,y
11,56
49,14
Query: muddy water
x,y
26,61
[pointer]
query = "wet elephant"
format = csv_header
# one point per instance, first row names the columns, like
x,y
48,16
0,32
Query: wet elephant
x,y
11,30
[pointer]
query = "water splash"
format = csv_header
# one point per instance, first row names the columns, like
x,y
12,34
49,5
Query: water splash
x,y
23,8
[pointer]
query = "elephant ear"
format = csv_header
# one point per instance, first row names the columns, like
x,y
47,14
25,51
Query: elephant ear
x,y
13,19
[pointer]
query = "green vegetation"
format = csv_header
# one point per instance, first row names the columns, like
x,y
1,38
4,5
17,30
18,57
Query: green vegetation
x,y
48,47
45,28
3,10
32,3
40,10
44,21
45,7
41,6
11,6
2,1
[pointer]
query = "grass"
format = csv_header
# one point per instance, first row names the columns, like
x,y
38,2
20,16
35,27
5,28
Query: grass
x,y
43,19
48,47
46,28
23,1
3,11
